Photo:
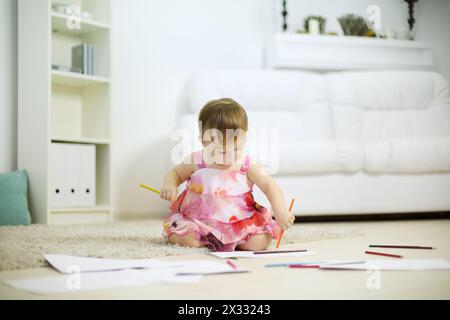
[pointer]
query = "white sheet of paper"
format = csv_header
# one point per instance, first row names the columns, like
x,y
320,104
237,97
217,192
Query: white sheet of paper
x,y
77,278
99,280
205,267
250,254
73,264
400,264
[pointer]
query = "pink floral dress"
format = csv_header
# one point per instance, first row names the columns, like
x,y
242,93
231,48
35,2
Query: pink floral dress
x,y
218,206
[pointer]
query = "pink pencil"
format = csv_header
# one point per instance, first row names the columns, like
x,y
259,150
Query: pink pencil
x,y
232,264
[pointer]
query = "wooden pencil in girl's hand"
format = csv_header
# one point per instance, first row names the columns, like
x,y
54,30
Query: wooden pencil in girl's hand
x,y
384,254
282,231
149,188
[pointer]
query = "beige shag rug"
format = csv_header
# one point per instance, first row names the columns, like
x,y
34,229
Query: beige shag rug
x,y
23,246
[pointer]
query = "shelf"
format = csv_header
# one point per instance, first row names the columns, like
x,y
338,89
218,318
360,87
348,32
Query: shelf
x,y
88,140
349,40
77,80
68,107
59,24
324,52
95,209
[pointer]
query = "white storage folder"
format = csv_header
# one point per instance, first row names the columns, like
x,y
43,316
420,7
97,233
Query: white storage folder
x,y
72,175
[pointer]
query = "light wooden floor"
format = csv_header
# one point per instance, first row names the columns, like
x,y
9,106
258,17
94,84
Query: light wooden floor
x,y
281,283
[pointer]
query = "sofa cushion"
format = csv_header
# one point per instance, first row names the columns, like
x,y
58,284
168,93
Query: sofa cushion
x,y
294,102
381,105
419,155
376,121
257,89
319,157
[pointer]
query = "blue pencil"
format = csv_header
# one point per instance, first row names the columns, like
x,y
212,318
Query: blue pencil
x,y
274,265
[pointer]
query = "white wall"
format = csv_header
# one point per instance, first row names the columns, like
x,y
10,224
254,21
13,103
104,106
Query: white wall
x,y
8,85
433,26
156,46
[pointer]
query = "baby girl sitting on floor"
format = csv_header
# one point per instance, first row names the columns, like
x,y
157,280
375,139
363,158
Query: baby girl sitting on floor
x,y
217,208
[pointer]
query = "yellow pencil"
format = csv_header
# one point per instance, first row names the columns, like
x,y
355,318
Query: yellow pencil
x,y
282,231
149,188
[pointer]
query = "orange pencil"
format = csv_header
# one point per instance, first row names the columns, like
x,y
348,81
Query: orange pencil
x,y
282,231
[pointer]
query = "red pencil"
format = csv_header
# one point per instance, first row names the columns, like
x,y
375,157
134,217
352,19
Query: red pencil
x,y
303,266
384,254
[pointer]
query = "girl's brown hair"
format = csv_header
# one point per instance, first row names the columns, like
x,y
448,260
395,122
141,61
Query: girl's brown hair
x,y
222,114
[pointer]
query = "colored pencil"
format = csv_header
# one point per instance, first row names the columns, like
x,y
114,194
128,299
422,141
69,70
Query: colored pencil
x,y
279,251
274,265
282,231
398,247
149,188
384,254
232,264
304,266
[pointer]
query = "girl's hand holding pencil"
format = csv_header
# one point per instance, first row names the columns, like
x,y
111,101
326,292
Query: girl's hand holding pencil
x,y
286,219
169,193
166,193
290,219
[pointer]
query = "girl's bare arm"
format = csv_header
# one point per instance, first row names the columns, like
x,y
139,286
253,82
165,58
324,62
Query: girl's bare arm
x,y
175,177
273,193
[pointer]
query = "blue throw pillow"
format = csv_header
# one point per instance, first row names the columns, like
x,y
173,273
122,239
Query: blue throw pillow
x,y
13,199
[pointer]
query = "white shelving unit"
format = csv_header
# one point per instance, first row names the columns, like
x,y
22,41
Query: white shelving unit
x,y
64,107
334,53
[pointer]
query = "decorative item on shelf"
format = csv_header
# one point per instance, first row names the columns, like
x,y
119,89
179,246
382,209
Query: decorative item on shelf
x,y
284,13
411,20
83,57
355,25
314,25
71,9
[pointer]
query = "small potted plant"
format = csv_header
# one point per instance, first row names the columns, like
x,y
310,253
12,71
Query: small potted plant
x,y
311,21
355,25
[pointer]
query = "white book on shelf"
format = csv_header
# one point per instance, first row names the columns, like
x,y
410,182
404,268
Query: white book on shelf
x,y
86,177
56,172
71,175
72,171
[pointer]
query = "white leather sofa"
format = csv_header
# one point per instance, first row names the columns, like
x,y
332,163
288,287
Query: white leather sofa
x,y
349,142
